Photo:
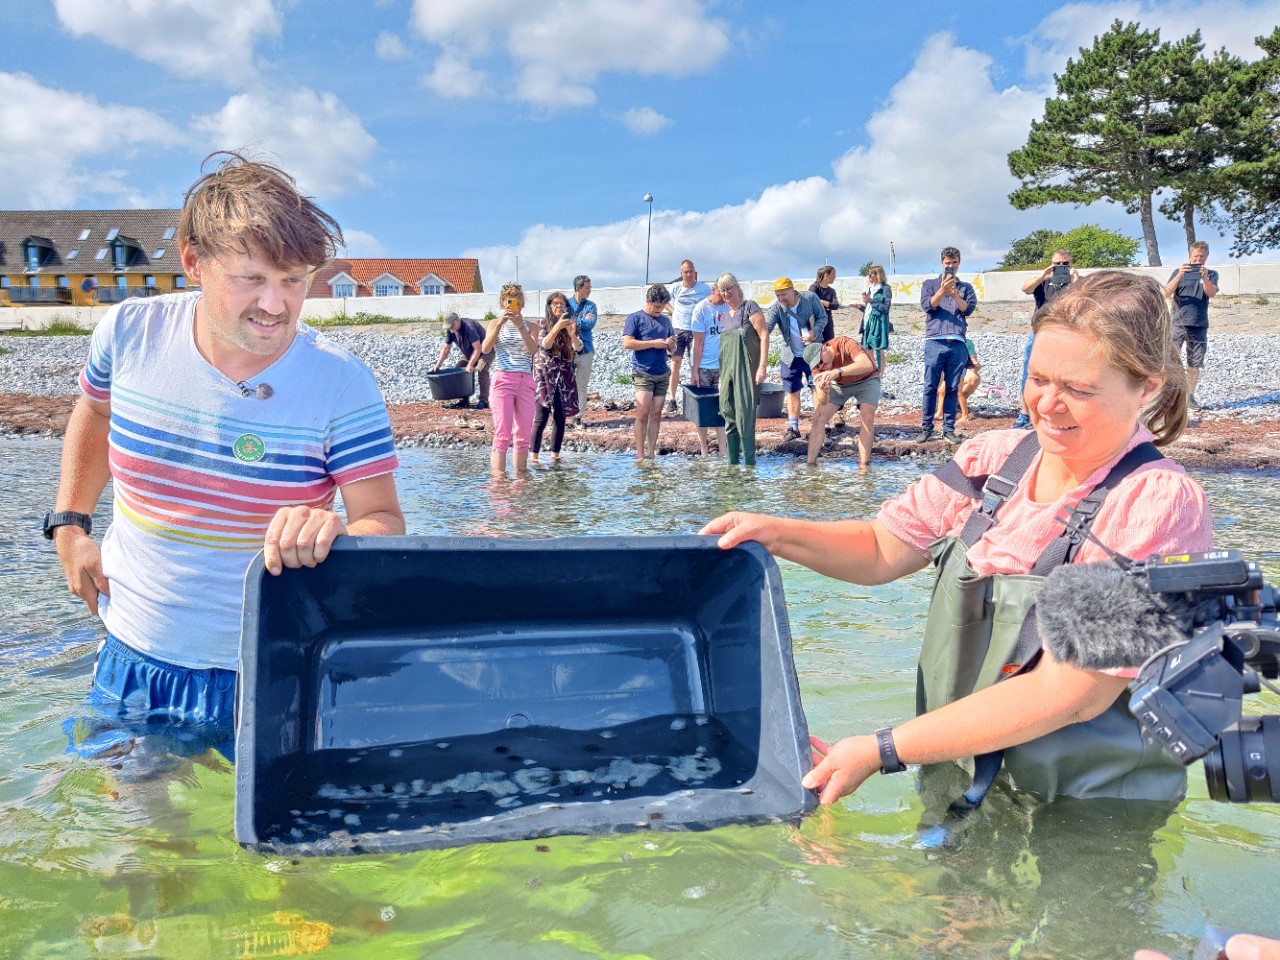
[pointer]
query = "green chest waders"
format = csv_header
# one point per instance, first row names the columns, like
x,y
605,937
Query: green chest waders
x,y
982,629
739,360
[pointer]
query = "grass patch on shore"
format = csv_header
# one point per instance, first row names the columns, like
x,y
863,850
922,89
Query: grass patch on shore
x,y
624,380
58,327
363,319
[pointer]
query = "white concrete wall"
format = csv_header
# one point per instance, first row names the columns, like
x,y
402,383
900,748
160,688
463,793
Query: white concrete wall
x,y
1235,279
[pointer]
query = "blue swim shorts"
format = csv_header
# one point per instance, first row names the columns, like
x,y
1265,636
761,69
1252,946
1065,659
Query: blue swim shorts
x,y
179,710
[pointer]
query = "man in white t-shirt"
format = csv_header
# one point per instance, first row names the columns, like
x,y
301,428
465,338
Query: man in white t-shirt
x,y
705,372
685,295
226,428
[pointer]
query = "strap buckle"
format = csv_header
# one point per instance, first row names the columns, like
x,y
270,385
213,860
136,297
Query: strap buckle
x,y
996,491
1076,524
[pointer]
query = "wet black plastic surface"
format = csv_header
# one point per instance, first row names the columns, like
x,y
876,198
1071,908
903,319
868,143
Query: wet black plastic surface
x,y
425,692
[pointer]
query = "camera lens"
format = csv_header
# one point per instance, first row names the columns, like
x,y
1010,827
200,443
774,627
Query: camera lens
x,y
1245,765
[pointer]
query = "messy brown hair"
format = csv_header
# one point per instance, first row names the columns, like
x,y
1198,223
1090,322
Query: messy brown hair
x,y
244,206
1129,318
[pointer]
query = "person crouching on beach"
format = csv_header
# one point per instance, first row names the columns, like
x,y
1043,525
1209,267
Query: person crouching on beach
x,y
648,333
843,370
511,394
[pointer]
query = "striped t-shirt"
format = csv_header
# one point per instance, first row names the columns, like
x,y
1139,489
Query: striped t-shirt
x,y
199,468
512,355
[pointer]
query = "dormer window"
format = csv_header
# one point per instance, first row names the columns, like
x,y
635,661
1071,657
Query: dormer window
x,y
125,251
36,252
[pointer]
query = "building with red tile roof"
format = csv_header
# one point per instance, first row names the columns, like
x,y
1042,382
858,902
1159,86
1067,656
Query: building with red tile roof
x,y
395,277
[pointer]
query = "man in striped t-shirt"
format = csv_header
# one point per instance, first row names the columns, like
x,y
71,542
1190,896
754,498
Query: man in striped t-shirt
x,y
225,428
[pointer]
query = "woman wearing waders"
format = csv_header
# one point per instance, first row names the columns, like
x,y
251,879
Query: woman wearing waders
x,y
1104,390
744,352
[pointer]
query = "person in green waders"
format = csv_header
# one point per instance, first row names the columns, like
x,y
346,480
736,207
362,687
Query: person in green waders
x,y
744,351
1104,391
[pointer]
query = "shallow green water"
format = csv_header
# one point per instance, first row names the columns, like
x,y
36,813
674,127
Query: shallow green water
x,y
94,867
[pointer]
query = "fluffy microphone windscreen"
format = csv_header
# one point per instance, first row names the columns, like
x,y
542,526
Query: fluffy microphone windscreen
x,y
1095,616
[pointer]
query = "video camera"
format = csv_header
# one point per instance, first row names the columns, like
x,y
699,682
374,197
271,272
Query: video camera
x,y
1188,697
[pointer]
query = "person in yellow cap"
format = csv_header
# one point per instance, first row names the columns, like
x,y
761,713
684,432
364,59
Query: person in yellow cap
x,y
800,318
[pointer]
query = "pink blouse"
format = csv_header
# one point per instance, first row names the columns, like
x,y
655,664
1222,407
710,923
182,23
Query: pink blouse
x,y
1157,509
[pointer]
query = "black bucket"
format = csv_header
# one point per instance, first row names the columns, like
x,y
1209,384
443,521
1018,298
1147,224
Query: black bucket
x,y
770,405
450,383
702,406
419,692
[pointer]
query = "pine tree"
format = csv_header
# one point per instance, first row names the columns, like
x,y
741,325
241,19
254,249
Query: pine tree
x,y
1249,185
1108,133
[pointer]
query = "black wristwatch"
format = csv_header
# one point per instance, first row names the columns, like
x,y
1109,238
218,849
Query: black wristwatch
x,y
66,518
889,762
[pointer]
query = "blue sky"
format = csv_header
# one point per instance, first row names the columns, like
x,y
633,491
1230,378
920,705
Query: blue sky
x,y
772,137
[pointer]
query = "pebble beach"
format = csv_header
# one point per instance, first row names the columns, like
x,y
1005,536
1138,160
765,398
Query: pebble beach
x,y
1239,391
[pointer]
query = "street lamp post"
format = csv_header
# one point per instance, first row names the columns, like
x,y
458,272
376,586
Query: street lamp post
x,y
648,198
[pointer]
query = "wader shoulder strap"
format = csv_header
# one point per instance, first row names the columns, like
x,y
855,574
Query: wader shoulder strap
x,y
993,490
1063,549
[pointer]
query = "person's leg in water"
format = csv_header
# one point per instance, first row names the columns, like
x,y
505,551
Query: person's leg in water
x,y
558,424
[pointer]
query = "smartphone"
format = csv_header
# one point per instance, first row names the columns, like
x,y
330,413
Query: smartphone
x,y
949,272
1193,270
513,305
1061,272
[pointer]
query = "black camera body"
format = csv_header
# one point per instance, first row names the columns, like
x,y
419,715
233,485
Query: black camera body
x,y
1189,697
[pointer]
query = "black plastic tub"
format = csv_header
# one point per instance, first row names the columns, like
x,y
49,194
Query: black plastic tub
x,y
702,406
450,383
770,405
418,692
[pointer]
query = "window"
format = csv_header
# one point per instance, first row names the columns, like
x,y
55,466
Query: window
x,y
33,281
4,283
122,282
33,257
179,283
84,234
386,290
159,252
433,288
75,252
112,234
149,281
121,255
344,290
64,282
169,232
101,254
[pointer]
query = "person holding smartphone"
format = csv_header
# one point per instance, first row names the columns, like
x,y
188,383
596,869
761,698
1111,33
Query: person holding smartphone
x,y
947,302
1190,287
1045,288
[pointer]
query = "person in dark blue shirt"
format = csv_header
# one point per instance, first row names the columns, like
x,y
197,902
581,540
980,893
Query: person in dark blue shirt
x,y
947,302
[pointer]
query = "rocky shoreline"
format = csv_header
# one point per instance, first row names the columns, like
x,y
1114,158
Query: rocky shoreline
x,y
1238,429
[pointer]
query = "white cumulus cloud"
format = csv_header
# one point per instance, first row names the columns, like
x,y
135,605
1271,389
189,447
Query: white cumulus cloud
x,y
360,243
389,46
932,173
315,136
53,144
455,78
191,38
645,121
551,54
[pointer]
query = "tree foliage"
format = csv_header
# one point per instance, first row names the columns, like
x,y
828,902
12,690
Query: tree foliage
x,y
1249,201
1031,251
1090,246
1101,137
1136,119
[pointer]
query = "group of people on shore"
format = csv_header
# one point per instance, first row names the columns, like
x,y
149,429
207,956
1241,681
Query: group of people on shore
x,y
727,338
542,368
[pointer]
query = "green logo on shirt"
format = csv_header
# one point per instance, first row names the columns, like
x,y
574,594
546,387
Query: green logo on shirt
x,y
249,448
